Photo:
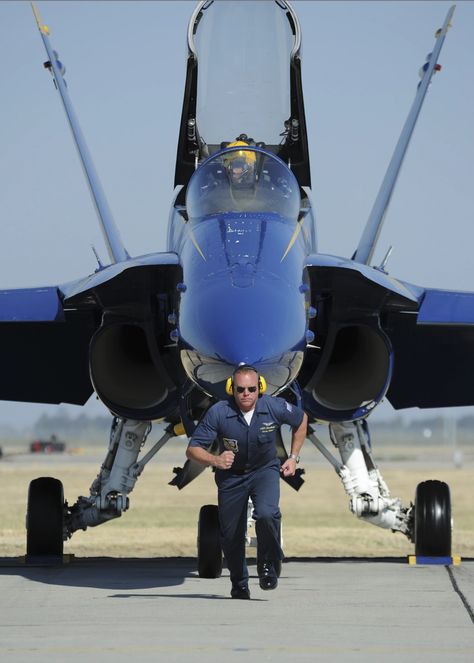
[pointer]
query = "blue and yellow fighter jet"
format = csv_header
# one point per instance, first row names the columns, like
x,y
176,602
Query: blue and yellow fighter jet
x,y
157,336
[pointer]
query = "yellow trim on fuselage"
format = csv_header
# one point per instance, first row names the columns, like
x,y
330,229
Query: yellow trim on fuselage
x,y
299,225
193,239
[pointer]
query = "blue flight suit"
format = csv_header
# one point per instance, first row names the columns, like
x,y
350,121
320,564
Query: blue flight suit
x,y
255,473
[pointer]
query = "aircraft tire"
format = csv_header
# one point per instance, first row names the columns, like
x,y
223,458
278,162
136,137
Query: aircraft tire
x,y
44,518
433,519
209,542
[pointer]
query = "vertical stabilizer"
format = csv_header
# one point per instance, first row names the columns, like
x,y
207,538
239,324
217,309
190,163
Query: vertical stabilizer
x,y
373,227
115,247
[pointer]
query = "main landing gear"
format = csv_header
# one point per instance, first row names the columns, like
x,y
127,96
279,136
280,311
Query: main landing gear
x,y
427,522
50,520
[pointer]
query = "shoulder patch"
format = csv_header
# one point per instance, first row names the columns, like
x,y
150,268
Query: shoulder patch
x,y
289,406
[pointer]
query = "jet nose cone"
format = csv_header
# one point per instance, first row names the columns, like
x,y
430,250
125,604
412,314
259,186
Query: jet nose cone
x,y
243,324
264,326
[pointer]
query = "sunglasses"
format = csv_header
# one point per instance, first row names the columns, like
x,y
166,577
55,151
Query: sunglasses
x,y
240,390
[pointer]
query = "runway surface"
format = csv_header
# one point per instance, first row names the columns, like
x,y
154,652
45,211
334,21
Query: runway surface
x,y
159,609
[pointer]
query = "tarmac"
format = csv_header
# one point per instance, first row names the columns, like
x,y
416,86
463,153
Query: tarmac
x,y
112,609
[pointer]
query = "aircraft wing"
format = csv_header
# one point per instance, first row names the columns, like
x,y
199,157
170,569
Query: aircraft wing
x,y
44,348
45,333
433,352
376,336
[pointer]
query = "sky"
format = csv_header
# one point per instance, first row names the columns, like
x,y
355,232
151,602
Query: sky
x,y
125,68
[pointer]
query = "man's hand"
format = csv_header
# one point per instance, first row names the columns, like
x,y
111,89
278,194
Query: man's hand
x,y
225,460
288,468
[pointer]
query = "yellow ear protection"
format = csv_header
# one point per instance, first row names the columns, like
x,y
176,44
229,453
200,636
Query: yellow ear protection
x,y
229,385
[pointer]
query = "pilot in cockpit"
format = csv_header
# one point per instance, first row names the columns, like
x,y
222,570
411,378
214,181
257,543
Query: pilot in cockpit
x,y
240,179
240,165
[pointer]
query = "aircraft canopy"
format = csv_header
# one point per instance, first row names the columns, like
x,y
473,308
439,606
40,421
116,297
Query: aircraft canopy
x,y
237,180
243,82
244,72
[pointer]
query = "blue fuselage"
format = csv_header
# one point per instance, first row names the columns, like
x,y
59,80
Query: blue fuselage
x,y
243,298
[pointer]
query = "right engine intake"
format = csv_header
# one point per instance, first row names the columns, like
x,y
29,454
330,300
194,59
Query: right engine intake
x,y
352,375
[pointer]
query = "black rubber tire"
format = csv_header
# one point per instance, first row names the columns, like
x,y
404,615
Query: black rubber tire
x,y
44,518
433,519
209,542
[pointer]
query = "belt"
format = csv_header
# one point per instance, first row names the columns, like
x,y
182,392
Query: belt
x,y
247,470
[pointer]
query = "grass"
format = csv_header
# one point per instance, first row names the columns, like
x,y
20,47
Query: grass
x,y
162,521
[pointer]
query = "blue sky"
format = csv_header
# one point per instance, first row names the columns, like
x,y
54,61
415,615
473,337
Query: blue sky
x,y
125,65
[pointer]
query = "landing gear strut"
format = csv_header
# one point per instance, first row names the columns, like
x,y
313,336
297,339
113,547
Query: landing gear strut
x,y
50,520
427,523
370,498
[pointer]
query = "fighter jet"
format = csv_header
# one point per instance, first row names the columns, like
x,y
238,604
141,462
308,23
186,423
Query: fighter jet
x,y
157,336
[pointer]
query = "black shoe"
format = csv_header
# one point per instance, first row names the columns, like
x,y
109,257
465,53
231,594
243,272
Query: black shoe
x,y
240,591
267,575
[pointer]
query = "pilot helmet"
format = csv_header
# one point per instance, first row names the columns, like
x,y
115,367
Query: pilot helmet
x,y
240,165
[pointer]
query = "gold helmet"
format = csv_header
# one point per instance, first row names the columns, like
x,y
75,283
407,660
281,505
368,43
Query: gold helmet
x,y
248,156
240,164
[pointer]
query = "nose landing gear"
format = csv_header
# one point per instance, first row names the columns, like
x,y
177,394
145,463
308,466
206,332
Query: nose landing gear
x,y
209,542
209,547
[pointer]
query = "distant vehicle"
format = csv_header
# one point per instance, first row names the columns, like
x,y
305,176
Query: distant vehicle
x,y
53,445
